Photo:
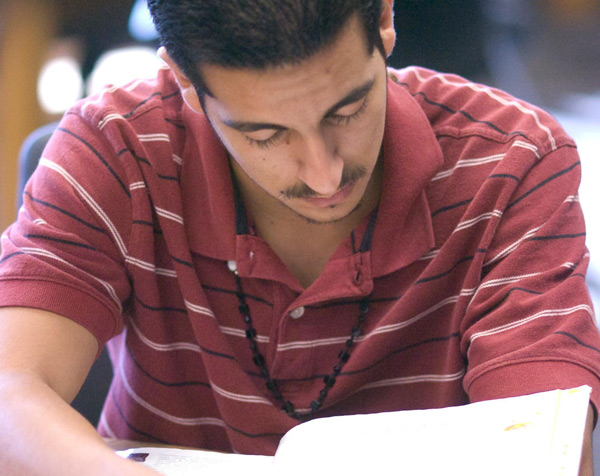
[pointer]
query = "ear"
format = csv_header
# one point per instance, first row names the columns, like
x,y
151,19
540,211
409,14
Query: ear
x,y
386,26
188,91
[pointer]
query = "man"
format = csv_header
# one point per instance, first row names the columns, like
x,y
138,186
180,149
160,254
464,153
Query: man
x,y
276,229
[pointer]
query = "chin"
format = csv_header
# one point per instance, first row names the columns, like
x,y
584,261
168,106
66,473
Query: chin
x,y
329,216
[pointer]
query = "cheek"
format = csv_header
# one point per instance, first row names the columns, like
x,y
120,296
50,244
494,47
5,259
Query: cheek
x,y
263,166
266,168
242,152
362,138
361,141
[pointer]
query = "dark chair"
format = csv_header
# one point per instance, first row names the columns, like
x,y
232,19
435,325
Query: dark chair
x,y
91,397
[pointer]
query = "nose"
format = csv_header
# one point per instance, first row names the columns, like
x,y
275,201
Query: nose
x,y
319,165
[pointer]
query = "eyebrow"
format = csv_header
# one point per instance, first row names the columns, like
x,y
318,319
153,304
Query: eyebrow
x,y
355,95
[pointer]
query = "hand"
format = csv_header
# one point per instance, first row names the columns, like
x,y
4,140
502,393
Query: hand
x,y
587,464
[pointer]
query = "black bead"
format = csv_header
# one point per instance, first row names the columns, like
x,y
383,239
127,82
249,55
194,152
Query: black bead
x,y
288,407
271,385
278,396
251,333
315,405
355,332
259,360
244,308
344,356
364,306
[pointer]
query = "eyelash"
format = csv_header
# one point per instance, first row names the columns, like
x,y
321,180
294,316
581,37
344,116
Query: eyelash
x,y
337,119
343,120
266,143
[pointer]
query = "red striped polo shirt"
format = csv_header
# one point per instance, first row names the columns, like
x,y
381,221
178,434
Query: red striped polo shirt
x,y
473,266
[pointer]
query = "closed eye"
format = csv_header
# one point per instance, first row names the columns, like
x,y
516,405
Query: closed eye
x,y
343,119
336,118
266,143
345,111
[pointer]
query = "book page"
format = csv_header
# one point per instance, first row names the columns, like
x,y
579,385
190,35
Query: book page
x,y
179,462
540,434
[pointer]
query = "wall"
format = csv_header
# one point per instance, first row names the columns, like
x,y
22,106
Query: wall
x,y
26,28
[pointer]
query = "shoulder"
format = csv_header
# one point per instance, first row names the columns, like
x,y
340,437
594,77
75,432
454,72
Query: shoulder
x,y
457,107
141,104
124,127
117,143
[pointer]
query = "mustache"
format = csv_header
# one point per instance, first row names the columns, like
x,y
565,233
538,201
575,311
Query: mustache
x,y
349,175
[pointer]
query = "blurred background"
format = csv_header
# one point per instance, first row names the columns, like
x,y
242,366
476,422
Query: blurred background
x,y
53,52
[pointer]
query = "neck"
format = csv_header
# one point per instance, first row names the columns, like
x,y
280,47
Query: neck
x,y
302,245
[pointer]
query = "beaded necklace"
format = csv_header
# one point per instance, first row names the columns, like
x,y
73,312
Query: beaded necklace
x,y
328,380
242,228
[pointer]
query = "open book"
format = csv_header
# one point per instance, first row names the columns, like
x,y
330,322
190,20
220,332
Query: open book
x,y
539,434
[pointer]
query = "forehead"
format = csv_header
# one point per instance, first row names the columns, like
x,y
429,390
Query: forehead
x,y
318,81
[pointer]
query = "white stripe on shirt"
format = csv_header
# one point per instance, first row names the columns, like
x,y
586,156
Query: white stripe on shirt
x,y
480,88
468,163
89,200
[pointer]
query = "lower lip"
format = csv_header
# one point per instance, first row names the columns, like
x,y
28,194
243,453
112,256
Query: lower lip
x,y
332,201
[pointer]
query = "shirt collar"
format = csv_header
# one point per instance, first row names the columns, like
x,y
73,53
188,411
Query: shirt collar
x,y
207,190
412,156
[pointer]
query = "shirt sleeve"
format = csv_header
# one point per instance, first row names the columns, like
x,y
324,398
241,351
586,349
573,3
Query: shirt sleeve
x,y
530,323
66,252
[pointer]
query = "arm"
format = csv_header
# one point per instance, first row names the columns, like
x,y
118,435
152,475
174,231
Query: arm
x,y
44,359
587,462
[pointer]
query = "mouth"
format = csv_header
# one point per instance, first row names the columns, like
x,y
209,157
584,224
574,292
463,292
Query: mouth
x,y
330,202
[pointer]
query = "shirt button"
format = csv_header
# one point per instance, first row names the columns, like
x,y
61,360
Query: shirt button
x,y
297,313
232,265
